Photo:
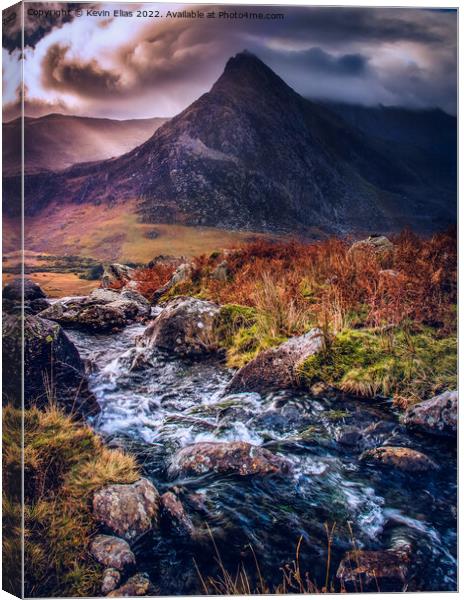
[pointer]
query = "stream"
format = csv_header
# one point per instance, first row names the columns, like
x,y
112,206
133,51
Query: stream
x,y
155,404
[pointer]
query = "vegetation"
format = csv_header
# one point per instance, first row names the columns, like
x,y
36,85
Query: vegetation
x,y
64,463
389,316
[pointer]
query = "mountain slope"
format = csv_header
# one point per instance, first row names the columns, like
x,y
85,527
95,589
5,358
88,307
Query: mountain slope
x,y
55,142
253,154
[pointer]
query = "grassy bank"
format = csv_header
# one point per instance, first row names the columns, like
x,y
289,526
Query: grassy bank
x,y
65,462
389,315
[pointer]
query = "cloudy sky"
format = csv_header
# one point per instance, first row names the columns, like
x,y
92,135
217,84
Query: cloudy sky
x,y
125,67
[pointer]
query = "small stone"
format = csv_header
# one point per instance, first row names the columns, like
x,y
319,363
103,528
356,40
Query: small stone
x,y
111,551
438,415
404,459
138,585
174,515
111,580
129,510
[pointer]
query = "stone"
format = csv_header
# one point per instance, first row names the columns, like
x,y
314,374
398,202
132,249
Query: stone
x,y
241,458
128,510
53,369
90,316
375,568
35,299
403,459
110,581
438,415
277,368
174,516
380,245
112,551
138,585
116,274
185,326
221,272
182,273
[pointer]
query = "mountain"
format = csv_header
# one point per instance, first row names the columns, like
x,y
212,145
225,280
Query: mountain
x,y
253,154
55,142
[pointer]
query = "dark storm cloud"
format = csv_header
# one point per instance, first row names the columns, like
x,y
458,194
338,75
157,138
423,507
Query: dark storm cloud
x,y
37,24
366,55
71,75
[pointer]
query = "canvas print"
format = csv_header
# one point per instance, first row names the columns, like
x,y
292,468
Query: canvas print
x,y
229,299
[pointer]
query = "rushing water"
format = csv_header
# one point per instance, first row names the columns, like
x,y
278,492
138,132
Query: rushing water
x,y
159,404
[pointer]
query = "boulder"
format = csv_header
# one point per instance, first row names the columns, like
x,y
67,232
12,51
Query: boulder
x,y
174,516
110,581
374,570
138,585
182,273
240,458
116,274
277,368
53,369
438,415
87,315
379,245
35,299
404,459
112,551
185,326
129,300
221,272
128,510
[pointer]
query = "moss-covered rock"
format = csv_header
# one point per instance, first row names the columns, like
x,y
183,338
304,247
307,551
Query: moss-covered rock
x,y
396,363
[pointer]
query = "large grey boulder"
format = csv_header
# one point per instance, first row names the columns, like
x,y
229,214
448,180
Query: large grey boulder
x,y
128,510
29,293
53,369
116,274
277,368
438,415
185,326
240,458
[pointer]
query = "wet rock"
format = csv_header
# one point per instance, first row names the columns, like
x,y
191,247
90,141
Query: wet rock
x,y
377,568
380,245
116,274
184,326
349,436
110,581
137,585
182,273
404,459
79,313
35,299
438,415
240,458
174,516
277,368
53,369
111,551
127,510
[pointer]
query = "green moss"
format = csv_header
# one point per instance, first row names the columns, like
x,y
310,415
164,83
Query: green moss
x,y
243,333
408,366
64,464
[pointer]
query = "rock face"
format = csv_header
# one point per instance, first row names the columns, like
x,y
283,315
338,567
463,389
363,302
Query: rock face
x,y
438,416
277,368
111,551
138,585
371,567
185,326
404,459
127,510
174,516
35,299
240,458
103,310
52,366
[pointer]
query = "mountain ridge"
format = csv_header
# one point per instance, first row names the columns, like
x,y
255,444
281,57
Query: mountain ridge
x,y
253,154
